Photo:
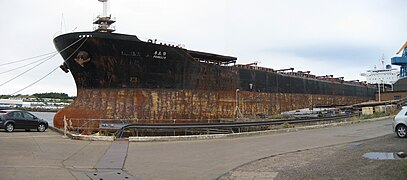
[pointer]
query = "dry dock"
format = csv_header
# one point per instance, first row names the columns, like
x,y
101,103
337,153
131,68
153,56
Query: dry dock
x,y
32,155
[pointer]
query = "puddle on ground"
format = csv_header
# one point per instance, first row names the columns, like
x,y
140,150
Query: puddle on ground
x,y
385,155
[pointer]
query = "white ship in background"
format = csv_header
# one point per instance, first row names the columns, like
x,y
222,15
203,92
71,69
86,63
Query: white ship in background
x,y
384,75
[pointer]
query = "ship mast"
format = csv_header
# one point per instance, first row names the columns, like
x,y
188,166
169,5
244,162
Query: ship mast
x,y
103,22
382,61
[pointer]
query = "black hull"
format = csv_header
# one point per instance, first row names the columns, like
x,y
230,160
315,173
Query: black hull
x,y
123,61
117,62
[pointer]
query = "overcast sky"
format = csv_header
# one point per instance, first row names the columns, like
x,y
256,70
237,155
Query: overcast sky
x,y
339,37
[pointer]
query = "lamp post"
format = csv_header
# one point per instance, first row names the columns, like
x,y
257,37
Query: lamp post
x,y
237,107
383,85
378,84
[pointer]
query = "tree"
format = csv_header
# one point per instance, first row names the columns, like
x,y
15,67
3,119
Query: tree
x,y
53,95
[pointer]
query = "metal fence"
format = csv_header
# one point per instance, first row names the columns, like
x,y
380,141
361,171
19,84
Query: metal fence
x,y
123,127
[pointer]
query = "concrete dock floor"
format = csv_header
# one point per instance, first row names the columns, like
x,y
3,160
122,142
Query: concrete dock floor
x,y
34,155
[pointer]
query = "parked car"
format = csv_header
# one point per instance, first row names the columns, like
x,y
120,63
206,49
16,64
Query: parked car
x,y
400,123
18,119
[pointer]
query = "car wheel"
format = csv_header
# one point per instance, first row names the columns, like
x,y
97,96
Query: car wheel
x,y
401,131
9,127
41,127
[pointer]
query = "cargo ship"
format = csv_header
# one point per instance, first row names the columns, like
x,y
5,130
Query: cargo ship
x,y
119,76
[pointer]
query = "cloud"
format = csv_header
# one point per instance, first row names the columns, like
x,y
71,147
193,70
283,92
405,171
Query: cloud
x,y
354,55
341,37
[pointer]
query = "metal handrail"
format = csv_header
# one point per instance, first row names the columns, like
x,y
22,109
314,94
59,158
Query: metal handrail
x,y
225,125
229,124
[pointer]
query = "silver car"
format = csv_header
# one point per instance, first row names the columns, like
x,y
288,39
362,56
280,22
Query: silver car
x,y
400,123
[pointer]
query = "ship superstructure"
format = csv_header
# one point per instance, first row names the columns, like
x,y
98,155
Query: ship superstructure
x,y
382,75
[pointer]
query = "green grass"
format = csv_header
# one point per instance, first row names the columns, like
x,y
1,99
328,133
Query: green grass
x,y
287,125
276,116
375,115
404,168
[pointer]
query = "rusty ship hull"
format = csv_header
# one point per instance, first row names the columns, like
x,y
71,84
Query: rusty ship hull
x,y
119,76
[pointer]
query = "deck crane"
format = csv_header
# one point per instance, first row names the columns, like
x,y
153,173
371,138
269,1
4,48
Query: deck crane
x,y
401,61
